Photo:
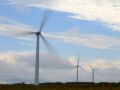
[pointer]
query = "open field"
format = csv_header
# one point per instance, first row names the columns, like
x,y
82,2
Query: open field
x,y
63,86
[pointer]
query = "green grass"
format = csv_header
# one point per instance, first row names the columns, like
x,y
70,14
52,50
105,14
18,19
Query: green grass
x,y
62,86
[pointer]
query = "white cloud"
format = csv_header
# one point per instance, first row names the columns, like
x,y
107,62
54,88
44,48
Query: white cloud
x,y
14,64
105,11
102,64
47,60
88,40
14,29
7,57
105,70
51,68
98,64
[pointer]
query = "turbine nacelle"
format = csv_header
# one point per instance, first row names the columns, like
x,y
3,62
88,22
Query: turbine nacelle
x,y
38,33
77,66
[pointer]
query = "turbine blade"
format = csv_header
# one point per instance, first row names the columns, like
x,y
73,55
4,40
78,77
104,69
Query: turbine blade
x,y
25,33
44,20
73,67
82,68
48,45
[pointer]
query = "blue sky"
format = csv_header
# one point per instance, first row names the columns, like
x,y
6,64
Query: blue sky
x,y
79,28
58,22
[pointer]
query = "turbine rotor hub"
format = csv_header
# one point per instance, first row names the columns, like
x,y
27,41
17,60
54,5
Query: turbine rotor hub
x,y
38,33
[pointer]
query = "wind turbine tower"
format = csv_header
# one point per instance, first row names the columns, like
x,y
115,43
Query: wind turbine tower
x,y
77,69
93,73
39,36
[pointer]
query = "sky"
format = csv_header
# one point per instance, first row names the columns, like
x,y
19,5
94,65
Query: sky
x,y
89,29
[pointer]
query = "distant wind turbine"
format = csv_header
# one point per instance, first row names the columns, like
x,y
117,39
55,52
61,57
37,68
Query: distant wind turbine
x,y
39,35
93,73
77,69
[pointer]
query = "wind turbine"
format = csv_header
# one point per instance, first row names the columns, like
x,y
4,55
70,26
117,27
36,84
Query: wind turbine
x,y
77,69
93,73
39,35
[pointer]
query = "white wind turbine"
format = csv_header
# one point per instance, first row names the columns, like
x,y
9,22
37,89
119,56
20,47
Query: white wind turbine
x,y
93,73
39,35
77,69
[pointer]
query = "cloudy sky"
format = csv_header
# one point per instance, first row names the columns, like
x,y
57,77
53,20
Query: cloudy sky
x,y
86,28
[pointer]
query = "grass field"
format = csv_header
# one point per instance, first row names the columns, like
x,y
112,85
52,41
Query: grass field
x,y
63,86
